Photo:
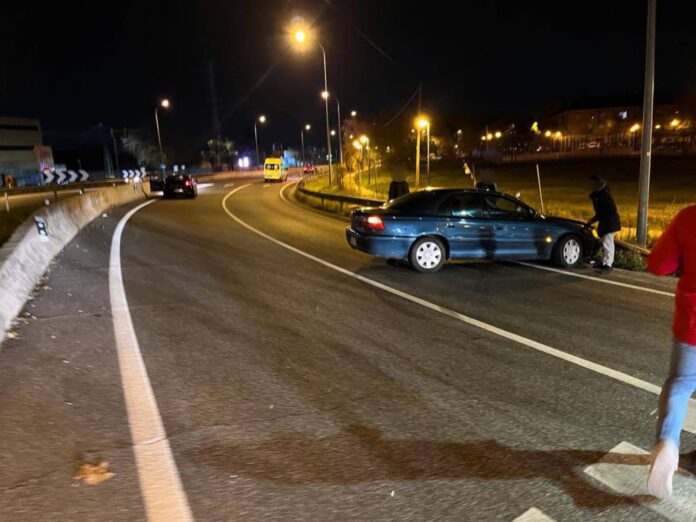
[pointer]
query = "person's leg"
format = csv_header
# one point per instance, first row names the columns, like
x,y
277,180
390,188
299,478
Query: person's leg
x,y
674,401
608,249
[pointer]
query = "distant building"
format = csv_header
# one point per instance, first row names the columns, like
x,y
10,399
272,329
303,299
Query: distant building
x,y
21,146
610,120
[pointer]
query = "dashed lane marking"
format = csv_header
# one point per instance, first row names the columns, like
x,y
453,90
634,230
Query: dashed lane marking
x,y
625,470
533,515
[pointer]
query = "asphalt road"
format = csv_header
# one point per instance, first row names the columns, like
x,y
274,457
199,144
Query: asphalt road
x,y
292,389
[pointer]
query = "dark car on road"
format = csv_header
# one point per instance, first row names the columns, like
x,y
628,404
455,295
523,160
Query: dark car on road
x,y
180,185
428,227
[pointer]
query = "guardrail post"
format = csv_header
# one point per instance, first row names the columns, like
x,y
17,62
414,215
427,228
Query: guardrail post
x,y
7,202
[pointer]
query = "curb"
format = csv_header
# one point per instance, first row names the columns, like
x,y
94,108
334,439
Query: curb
x,y
27,254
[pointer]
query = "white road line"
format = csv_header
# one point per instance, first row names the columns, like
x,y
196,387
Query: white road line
x,y
228,185
533,515
689,425
625,470
597,279
160,484
205,185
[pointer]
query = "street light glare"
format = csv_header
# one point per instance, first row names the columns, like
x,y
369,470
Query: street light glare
x,y
675,122
333,132
300,36
262,119
357,145
353,113
307,127
364,139
422,122
498,134
165,103
325,95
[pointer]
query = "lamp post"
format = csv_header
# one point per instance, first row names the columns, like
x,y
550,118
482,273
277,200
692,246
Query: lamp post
x,y
261,119
300,35
165,105
306,128
422,123
340,141
365,141
325,95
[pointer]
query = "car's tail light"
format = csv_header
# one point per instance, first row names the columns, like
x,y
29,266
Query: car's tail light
x,y
189,182
374,223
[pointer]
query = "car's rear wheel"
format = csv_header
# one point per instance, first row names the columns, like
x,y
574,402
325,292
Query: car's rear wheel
x,y
568,252
427,255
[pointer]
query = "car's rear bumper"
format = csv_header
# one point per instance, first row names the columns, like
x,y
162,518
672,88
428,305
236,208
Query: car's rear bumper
x,y
381,246
273,176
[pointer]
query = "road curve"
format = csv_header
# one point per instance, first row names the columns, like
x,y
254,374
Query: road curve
x,y
292,390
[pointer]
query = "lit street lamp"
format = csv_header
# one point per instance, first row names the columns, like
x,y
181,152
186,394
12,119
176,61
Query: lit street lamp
x,y
302,131
424,123
300,36
353,113
261,119
421,123
365,142
165,105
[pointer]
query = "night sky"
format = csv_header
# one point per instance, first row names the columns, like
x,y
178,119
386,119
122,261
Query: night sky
x,y
74,64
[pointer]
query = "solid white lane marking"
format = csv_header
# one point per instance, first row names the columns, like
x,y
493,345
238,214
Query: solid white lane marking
x,y
228,185
266,186
689,425
625,470
597,279
533,515
160,484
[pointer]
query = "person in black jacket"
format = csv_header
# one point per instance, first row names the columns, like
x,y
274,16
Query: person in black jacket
x,y
609,221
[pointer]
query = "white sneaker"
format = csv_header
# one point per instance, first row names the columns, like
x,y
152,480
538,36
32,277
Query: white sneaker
x,y
665,464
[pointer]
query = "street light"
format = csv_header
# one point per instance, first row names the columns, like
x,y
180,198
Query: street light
x,y
423,123
261,119
333,132
353,113
302,131
301,36
498,134
365,141
165,105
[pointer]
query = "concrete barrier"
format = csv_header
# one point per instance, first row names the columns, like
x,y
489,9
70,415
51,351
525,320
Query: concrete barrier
x,y
26,255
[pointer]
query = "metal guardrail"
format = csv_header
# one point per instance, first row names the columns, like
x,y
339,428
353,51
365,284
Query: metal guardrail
x,y
339,198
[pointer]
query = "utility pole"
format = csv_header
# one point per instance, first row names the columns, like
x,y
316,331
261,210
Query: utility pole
x,y
646,145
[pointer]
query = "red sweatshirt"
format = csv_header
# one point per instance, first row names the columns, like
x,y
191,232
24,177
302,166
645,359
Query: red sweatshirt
x,y
676,251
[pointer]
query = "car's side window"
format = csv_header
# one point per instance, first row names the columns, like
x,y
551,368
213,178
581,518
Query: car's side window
x,y
499,207
462,206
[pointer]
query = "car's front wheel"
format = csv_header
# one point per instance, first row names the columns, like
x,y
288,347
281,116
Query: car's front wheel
x,y
427,255
568,252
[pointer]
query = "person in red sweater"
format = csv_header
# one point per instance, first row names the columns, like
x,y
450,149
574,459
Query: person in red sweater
x,y
675,253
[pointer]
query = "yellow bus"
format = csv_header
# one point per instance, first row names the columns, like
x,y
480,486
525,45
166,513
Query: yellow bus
x,y
274,169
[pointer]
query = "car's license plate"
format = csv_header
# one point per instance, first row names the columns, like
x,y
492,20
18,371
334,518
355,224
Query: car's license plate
x,y
178,190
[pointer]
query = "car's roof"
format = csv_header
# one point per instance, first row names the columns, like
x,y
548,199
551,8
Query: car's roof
x,y
446,191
